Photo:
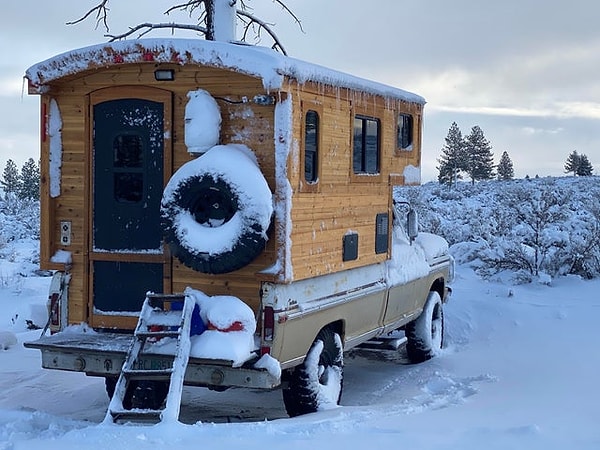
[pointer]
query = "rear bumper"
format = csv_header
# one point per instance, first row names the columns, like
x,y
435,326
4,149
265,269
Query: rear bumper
x,y
103,355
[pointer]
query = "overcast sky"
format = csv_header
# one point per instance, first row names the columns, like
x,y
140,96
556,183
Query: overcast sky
x,y
526,71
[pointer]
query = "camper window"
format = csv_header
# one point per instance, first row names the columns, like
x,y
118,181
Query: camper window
x,y
311,146
405,131
128,168
365,158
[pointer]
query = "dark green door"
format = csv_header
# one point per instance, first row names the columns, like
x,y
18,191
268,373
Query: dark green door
x,y
128,176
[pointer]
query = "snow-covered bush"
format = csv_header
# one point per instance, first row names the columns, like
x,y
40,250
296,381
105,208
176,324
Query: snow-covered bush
x,y
19,219
532,228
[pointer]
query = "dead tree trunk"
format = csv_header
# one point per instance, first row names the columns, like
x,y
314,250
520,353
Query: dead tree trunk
x,y
220,20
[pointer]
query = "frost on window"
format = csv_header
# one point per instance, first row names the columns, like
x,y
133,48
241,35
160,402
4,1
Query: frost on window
x,y
55,150
202,121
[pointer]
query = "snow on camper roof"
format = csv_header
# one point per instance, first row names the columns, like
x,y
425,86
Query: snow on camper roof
x,y
271,67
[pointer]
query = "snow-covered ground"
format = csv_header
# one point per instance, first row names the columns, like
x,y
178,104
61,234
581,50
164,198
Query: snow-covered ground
x,y
520,370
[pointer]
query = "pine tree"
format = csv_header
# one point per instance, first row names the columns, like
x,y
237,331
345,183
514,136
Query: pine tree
x,y
584,168
572,163
30,180
505,168
479,156
11,182
452,159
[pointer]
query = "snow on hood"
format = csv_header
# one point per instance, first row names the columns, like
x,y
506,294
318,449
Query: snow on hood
x,y
408,261
264,63
433,245
412,261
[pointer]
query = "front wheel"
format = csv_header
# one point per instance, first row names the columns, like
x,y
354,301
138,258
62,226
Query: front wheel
x,y
425,335
317,382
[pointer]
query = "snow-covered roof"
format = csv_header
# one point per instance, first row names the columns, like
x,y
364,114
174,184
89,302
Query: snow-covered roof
x,y
271,67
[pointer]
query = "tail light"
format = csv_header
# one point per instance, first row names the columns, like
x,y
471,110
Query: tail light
x,y
268,326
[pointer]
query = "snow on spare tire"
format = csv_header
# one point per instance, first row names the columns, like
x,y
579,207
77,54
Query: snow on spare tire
x,y
216,210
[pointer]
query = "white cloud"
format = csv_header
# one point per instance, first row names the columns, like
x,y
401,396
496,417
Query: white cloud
x,y
531,131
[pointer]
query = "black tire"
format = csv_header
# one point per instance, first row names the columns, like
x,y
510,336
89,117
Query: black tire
x,y
318,381
425,335
212,200
140,394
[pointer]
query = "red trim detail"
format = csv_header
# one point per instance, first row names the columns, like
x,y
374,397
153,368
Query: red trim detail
x,y
175,57
235,326
44,122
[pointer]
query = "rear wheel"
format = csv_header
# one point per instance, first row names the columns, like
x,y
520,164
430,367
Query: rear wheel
x,y
425,335
317,382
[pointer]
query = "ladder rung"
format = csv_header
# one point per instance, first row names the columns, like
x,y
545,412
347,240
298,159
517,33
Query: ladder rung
x,y
167,297
141,415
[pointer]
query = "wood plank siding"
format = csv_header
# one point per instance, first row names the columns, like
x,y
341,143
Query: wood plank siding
x,y
321,213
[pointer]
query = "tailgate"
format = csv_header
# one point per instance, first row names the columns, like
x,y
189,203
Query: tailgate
x,y
103,354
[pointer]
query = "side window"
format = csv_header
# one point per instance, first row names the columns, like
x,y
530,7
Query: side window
x,y
366,146
311,146
405,132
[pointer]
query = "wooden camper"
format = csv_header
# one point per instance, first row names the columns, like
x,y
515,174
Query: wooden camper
x,y
330,146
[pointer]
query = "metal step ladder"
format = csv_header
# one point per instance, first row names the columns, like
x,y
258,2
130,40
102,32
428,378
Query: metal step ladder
x,y
156,322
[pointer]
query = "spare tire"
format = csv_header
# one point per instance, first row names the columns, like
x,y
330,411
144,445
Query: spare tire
x,y
216,210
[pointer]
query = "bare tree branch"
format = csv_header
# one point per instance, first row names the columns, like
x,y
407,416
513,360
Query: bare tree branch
x,y
101,15
190,6
291,13
153,26
250,22
262,25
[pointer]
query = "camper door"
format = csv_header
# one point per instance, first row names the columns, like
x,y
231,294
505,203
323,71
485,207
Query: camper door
x,y
130,148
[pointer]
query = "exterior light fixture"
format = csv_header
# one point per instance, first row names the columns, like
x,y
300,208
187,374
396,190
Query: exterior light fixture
x,y
264,100
164,75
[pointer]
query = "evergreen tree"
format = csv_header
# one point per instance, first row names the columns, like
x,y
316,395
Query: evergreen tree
x,y
30,180
11,182
572,163
505,168
479,156
584,168
452,159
